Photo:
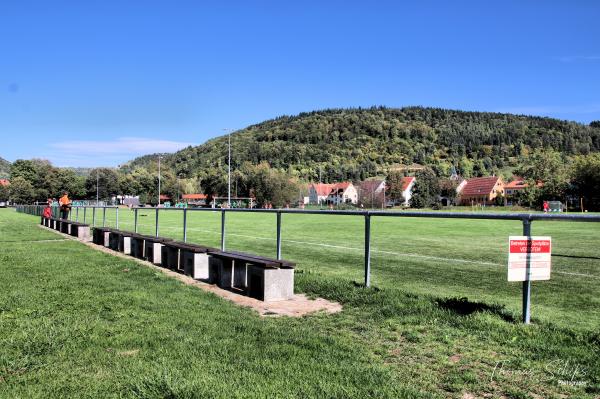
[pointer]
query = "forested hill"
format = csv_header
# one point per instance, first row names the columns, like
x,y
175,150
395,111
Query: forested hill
x,y
4,168
359,143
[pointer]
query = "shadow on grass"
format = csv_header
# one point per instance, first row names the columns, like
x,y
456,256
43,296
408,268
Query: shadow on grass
x,y
576,257
464,307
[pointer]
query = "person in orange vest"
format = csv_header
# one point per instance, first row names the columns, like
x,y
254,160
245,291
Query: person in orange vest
x,y
65,205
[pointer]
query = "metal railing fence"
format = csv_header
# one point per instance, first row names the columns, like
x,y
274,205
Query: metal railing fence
x,y
527,220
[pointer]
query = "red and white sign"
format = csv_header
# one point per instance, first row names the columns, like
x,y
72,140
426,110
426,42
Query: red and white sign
x,y
529,258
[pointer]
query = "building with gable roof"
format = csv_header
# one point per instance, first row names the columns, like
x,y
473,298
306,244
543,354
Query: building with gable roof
x,y
481,190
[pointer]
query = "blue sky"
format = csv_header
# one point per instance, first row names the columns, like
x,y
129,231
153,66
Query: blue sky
x,y
87,83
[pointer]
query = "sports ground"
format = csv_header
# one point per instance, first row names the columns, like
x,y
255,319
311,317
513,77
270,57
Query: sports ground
x,y
439,321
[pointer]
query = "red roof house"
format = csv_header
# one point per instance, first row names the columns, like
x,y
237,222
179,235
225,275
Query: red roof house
x,y
516,185
481,190
194,197
4,182
318,192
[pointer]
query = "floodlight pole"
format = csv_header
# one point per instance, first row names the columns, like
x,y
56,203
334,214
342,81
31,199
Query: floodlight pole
x,y
97,187
158,204
228,167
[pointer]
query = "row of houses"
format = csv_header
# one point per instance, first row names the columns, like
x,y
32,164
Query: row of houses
x,y
370,191
474,191
486,190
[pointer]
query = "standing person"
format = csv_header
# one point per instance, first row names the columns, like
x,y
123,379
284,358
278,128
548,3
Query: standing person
x,y
65,205
546,206
47,210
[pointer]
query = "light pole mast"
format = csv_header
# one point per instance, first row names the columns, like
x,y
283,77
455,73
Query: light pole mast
x,y
97,187
228,167
158,204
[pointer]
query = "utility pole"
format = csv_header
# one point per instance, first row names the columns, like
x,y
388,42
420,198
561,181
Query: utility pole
x,y
228,167
97,187
158,204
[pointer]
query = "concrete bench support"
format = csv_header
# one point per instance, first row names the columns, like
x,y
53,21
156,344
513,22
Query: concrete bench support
x,y
153,252
81,231
195,264
125,242
270,284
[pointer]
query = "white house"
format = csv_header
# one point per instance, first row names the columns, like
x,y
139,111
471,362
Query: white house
x,y
408,182
318,193
343,193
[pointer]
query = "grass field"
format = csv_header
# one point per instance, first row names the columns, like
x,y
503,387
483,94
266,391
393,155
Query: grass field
x,y
440,321
451,257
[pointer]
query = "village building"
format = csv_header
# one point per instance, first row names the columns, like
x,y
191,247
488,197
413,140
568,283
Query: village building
x,y
481,190
4,182
514,187
318,193
343,193
451,189
372,192
408,182
194,199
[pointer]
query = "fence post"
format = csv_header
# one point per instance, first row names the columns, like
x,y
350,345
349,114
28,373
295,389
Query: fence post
x,y
104,216
84,212
135,220
156,231
94,216
77,214
527,282
222,229
184,224
117,219
278,235
367,250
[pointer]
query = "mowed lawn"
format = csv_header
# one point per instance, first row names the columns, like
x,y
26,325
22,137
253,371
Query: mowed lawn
x,y
448,257
80,323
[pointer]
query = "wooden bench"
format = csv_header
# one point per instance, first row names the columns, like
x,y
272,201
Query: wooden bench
x,y
65,226
259,277
113,239
125,240
186,258
195,260
137,245
100,236
79,230
153,248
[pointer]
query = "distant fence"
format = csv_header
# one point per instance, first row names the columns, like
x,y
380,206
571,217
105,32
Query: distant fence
x,y
526,219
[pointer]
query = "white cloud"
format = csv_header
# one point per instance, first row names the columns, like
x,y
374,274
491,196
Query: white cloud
x,y
108,152
122,145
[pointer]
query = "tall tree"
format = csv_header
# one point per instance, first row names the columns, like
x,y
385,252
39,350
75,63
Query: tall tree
x,y
585,179
394,183
21,191
108,183
426,191
548,167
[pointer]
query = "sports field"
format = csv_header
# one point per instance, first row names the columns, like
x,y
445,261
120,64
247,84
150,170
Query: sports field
x,y
77,322
448,257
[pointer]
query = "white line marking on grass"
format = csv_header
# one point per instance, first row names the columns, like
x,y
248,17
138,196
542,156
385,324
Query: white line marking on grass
x,y
400,254
31,241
